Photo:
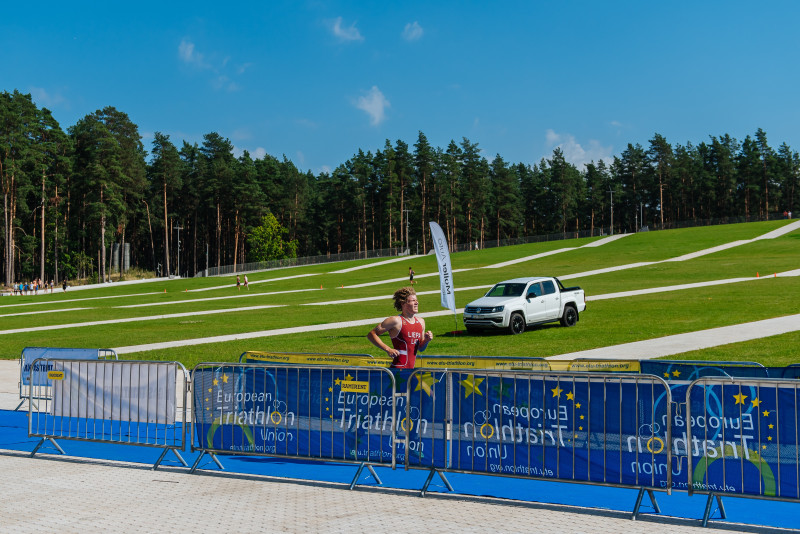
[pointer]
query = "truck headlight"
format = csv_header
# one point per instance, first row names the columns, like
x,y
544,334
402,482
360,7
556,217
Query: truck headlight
x,y
498,309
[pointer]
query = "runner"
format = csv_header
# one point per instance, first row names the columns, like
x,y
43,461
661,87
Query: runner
x,y
406,330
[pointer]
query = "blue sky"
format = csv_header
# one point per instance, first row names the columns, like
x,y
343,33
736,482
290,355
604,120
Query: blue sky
x,y
316,81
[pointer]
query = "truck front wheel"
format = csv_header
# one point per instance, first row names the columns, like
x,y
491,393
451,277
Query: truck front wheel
x,y
517,323
570,316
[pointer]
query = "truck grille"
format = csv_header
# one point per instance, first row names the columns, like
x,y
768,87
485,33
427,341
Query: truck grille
x,y
476,309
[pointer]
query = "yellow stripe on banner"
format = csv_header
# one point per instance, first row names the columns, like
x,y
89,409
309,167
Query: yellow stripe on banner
x,y
316,359
603,366
55,375
497,364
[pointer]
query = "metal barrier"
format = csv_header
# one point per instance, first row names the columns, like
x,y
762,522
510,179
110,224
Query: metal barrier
x,y
601,429
743,439
110,401
341,414
29,374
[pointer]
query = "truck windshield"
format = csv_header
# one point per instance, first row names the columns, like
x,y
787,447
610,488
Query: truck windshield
x,y
506,290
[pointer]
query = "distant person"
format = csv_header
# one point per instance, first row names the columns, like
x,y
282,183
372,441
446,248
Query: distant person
x,y
238,283
246,283
785,214
411,274
64,285
407,331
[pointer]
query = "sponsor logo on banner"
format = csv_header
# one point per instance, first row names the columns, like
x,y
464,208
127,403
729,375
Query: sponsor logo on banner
x,y
55,375
355,387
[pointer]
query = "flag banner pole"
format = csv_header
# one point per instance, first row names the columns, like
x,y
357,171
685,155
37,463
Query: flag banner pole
x,y
445,269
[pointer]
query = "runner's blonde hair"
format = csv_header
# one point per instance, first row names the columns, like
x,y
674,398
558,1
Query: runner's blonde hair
x,y
401,296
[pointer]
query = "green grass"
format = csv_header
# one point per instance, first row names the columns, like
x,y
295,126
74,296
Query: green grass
x,y
606,322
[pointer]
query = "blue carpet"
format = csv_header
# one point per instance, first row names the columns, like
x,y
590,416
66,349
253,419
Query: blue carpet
x,y
14,436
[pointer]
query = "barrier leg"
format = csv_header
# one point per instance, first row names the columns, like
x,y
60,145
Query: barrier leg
x,y
197,462
20,404
216,460
374,474
430,478
358,474
427,483
638,504
164,453
42,441
707,512
444,479
653,501
721,507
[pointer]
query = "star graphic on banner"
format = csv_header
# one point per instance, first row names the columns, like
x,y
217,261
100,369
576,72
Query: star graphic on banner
x,y
676,373
578,405
581,418
502,387
755,402
215,382
337,381
571,396
666,375
210,390
348,377
765,413
425,383
771,426
557,391
224,378
769,438
740,398
471,385
763,446
580,428
330,390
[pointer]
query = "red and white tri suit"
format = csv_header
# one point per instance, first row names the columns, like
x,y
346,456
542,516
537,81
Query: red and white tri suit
x,y
406,342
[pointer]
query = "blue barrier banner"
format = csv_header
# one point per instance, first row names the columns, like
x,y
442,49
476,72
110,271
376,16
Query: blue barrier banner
x,y
687,371
341,414
742,438
580,428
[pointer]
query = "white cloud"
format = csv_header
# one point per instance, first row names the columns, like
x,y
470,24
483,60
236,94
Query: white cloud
x,y
375,104
189,55
413,31
219,80
259,152
575,153
350,33
43,98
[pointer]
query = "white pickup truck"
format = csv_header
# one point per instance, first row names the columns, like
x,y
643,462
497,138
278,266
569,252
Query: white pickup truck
x,y
522,302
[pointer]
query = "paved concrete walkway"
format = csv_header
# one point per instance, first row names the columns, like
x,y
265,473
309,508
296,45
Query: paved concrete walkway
x,y
73,495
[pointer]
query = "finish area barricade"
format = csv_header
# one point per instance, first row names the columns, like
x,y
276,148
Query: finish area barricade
x,y
329,413
33,375
110,401
594,428
743,438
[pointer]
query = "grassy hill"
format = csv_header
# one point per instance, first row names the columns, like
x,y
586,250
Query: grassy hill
x,y
174,310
